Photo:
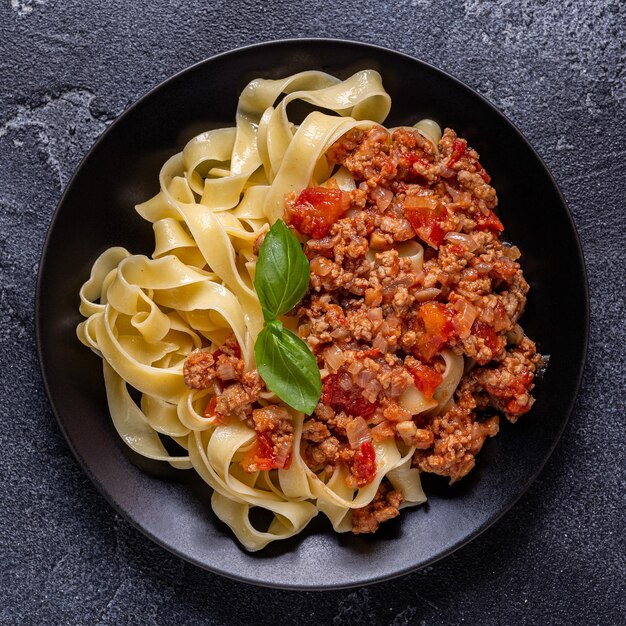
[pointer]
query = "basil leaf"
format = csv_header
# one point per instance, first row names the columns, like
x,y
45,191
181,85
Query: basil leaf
x,y
283,360
288,367
282,272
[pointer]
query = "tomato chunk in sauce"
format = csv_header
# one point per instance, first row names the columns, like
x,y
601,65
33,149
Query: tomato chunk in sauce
x,y
316,209
426,378
363,466
492,340
458,150
262,456
488,222
340,393
426,215
434,327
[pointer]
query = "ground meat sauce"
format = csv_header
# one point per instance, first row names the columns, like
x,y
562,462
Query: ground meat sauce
x,y
378,325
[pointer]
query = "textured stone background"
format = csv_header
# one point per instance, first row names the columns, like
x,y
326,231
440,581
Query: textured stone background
x,y
556,68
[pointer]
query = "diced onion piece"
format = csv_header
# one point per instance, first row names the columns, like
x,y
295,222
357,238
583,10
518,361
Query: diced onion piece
x,y
345,383
459,197
467,241
488,316
382,431
380,343
340,333
334,357
321,266
392,287
226,371
501,321
424,295
364,377
372,390
375,315
510,251
421,202
382,197
357,432
483,268
355,367
393,322
465,316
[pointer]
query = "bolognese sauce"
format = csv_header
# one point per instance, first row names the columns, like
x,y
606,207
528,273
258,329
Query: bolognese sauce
x,y
378,325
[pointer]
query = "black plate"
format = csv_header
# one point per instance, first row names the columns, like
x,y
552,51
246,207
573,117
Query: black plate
x,y
96,212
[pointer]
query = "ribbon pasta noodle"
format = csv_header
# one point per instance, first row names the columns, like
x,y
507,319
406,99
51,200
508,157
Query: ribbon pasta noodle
x,y
145,315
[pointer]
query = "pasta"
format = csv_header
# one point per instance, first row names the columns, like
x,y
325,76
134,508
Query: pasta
x,y
145,316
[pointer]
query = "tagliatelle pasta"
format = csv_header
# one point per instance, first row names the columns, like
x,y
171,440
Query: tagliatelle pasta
x,y
144,316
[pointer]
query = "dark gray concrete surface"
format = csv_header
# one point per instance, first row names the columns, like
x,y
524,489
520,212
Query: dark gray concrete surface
x,y
556,68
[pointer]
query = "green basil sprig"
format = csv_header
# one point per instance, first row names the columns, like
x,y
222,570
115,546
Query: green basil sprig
x,y
283,360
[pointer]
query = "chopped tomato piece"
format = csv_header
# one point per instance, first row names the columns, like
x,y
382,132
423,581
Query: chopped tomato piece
x,y
488,222
316,209
458,149
489,336
349,399
426,378
363,466
262,456
426,215
435,328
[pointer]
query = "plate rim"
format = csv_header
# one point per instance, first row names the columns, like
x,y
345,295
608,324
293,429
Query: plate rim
x,y
567,412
